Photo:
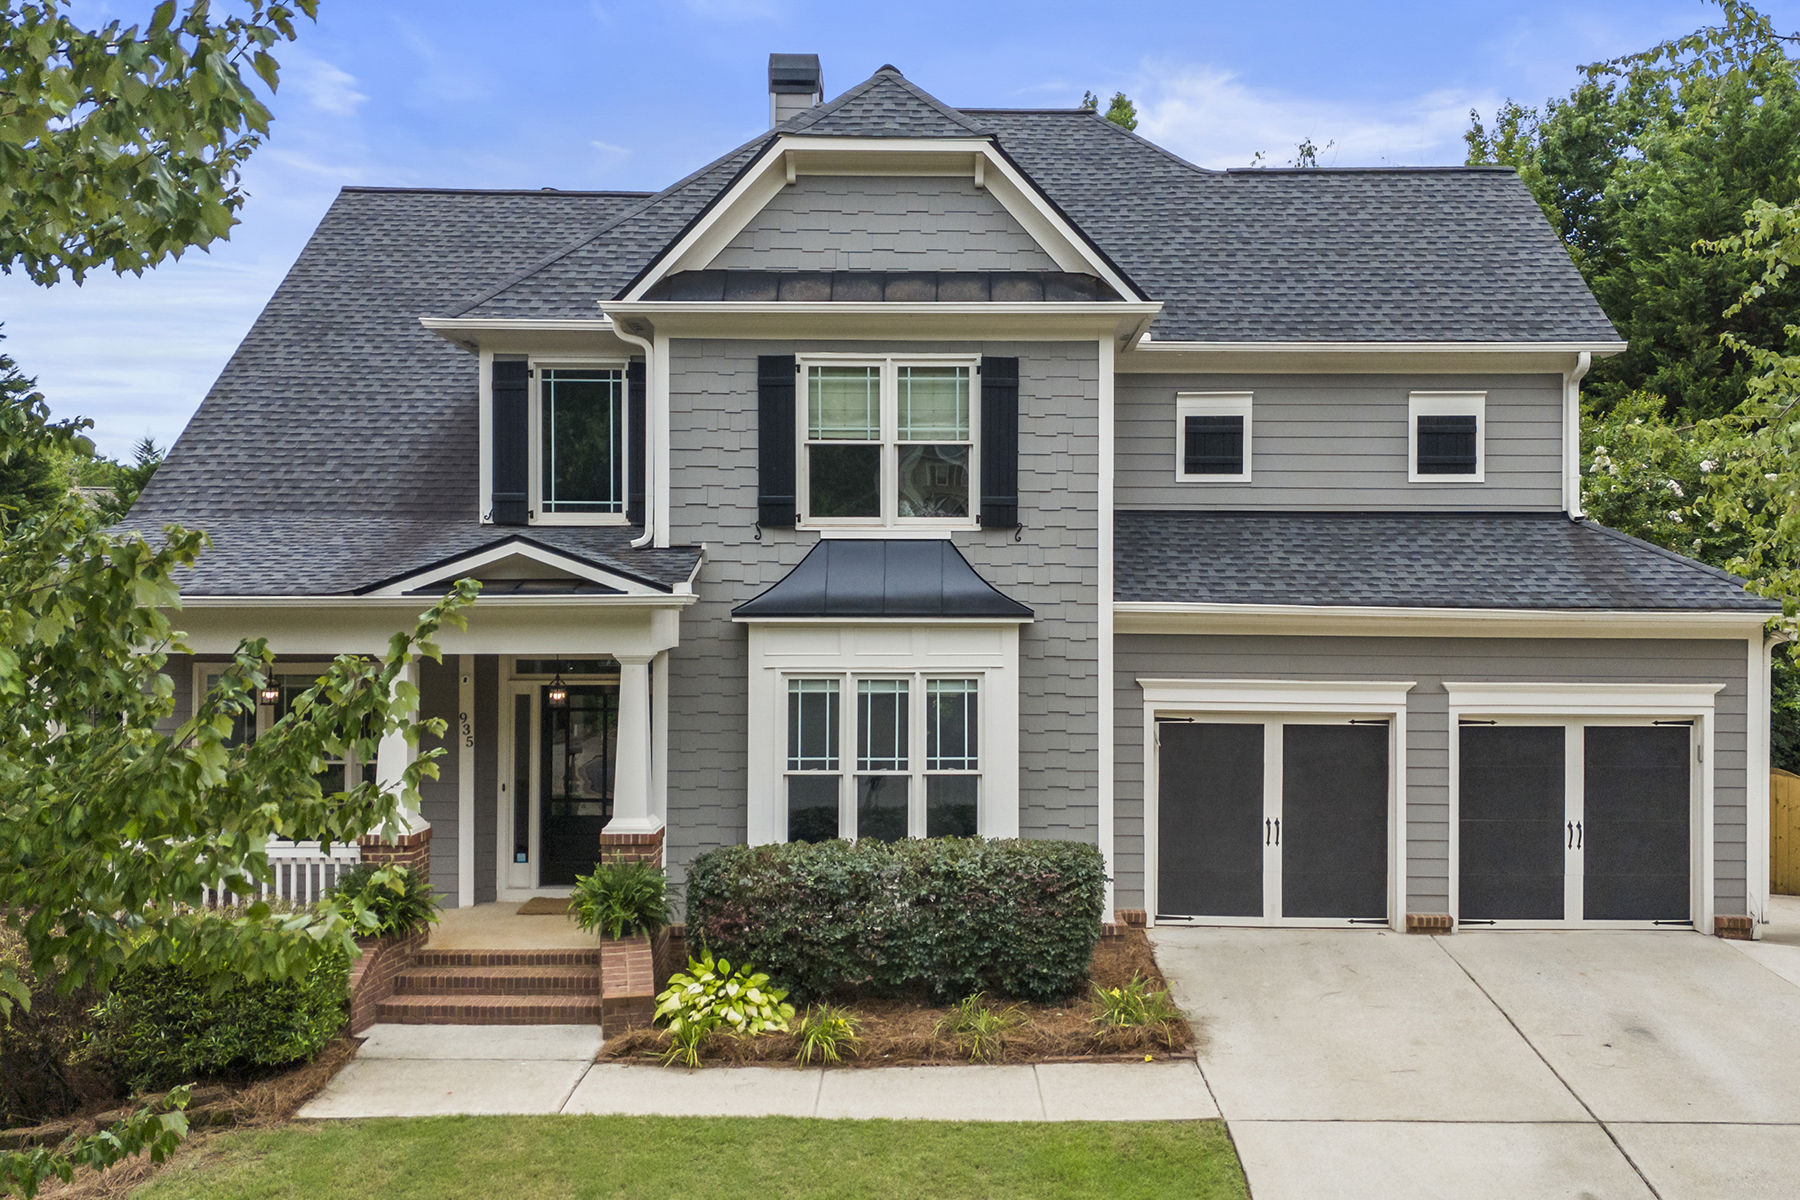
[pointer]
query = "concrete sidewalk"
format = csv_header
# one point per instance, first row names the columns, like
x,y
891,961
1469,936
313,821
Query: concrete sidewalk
x,y
434,1070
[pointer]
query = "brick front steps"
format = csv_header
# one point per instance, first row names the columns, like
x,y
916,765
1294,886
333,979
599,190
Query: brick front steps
x,y
496,987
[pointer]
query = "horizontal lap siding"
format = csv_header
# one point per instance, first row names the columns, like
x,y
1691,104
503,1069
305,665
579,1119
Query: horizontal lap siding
x,y
883,223
1340,442
1053,568
1430,661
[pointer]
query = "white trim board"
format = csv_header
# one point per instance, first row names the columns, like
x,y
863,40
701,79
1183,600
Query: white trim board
x,y
562,565
1137,616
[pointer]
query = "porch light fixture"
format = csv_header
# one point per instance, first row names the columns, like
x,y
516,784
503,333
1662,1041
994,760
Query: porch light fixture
x,y
558,696
269,694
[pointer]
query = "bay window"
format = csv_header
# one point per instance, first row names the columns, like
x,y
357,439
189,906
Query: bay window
x,y
888,442
902,761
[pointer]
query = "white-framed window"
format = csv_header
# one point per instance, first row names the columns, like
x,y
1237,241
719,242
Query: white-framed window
x,y
882,756
580,461
1212,437
1446,437
888,442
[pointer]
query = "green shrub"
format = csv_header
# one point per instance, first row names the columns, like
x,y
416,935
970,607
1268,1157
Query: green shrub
x,y
620,898
40,1077
709,996
945,917
979,1028
162,1026
402,900
1135,1005
825,1033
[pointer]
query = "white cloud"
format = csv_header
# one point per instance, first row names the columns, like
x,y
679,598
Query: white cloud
x,y
328,88
609,151
1213,118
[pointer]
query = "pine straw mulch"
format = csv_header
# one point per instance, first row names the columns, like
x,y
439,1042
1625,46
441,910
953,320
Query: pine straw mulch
x,y
213,1109
895,1033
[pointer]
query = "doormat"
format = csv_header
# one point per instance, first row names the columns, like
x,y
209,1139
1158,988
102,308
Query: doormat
x,y
545,906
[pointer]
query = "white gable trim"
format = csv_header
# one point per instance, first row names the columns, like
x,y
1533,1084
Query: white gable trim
x,y
790,156
561,564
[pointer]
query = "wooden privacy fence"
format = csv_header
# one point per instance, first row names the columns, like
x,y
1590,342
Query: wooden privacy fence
x,y
1784,833
302,873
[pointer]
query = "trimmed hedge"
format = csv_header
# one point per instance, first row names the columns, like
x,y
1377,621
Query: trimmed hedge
x,y
162,1026
946,917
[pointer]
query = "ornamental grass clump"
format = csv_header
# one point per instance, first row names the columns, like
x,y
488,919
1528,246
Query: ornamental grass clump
x,y
1136,1004
620,899
826,1033
710,997
979,1028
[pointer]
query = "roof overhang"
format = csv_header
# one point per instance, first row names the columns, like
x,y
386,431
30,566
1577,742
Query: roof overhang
x,y
524,335
1146,355
789,156
518,557
1358,621
1120,320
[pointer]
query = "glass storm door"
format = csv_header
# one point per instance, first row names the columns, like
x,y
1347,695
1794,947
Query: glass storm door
x,y
578,747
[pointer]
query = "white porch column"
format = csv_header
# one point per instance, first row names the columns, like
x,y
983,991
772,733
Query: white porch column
x,y
633,811
394,754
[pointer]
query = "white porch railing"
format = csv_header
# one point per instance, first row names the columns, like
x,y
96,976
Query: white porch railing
x,y
302,873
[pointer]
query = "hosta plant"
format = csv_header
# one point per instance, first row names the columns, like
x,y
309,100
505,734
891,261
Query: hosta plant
x,y
711,995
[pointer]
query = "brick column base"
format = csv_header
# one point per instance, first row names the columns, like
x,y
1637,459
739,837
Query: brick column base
x,y
1430,923
632,847
632,971
412,850
1734,929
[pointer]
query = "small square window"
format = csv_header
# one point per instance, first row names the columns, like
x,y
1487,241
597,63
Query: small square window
x,y
1446,435
1212,437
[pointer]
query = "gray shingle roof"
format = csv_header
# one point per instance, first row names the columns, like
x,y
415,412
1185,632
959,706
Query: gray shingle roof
x,y
886,104
1411,560
340,443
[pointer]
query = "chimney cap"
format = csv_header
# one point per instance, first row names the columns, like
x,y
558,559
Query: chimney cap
x,y
795,75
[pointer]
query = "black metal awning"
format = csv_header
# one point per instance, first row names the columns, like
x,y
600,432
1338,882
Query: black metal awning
x,y
875,578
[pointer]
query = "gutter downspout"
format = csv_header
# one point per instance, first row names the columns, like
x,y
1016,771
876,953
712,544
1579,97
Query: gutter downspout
x,y
1572,433
621,333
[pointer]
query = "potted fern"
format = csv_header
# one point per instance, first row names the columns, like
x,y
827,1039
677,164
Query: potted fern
x,y
621,900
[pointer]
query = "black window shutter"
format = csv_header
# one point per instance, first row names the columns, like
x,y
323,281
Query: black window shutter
x,y
511,443
1214,445
775,434
1447,445
635,410
999,443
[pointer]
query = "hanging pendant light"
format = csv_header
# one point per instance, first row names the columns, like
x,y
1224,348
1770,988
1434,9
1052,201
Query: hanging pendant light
x,y
270,693
558,696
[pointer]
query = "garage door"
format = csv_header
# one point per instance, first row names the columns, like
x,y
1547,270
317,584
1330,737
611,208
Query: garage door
x,y
1268,821
1610,840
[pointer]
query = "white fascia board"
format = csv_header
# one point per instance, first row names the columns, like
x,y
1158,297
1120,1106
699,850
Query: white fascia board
x,y
1575,699
921,321
1275,695
514,548
1349,620
878,620
520,336
768,174
353,603
1145,355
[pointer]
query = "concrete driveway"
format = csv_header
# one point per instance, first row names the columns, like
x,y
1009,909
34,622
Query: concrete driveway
x,y
1356,1064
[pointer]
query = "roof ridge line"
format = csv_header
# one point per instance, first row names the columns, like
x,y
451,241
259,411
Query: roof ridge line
x,y
453,191
813,116
650,202
1135,136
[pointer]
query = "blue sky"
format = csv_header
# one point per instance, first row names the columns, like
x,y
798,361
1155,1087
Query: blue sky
x,y
573,94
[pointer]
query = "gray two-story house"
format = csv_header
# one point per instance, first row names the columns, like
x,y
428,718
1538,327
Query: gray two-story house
x,y
914,471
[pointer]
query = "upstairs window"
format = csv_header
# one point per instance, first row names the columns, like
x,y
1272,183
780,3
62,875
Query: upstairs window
x,y
887,443
1212,437
1446,436
580,432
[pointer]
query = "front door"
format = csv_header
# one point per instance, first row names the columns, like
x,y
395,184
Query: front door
x,y
577,744
1266,821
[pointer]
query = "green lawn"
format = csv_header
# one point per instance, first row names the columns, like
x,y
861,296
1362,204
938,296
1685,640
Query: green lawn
x,y
539,1158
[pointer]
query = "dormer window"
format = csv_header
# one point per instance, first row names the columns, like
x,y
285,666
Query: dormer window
x,y
579,428
1212,437
1446,437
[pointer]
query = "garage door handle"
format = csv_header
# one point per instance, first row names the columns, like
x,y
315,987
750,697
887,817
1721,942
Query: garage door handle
x,y
1266,831
1578,835
1278,831
1569,842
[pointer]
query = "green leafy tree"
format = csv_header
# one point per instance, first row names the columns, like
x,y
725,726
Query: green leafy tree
x,y
128,480
1648,156
121,146
33,479
112,825
1121,112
